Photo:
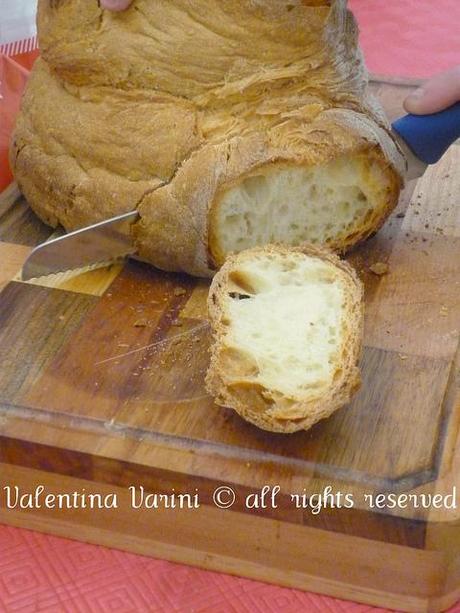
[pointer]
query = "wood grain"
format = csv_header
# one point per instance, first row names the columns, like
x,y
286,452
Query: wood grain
x,y
129,352
12,257
94,282
20,226
435,206
45,319
9,198
128,364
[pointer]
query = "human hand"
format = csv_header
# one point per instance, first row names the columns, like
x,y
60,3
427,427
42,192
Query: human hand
x,y
437,94
115,5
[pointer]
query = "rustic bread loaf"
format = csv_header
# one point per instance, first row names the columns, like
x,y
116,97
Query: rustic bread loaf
x,y
287,325
226,124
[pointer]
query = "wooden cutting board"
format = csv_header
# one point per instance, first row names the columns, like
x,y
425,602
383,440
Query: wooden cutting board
x,y
102,388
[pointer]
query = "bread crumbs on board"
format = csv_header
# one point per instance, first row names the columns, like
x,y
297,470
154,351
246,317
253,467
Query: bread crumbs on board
x,y
443,311
141,323
379,268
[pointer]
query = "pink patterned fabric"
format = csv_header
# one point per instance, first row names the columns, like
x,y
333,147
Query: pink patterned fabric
x,y
409,38
55,575
44,573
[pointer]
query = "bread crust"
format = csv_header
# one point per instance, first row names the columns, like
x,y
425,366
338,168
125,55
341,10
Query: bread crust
x,y
132,111
263,407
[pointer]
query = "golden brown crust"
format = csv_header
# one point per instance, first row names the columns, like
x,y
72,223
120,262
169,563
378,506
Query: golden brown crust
x,y
254,402
162,107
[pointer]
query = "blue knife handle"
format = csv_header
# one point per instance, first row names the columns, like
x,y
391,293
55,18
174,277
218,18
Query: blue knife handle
x,y
429,136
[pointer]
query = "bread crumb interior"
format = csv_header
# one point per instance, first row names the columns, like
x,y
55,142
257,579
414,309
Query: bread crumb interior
x,y
296,204
284,324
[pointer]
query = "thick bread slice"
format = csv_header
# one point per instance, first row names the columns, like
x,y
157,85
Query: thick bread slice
x,y
287,325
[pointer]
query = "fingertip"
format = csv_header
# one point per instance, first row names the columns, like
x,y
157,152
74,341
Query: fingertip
x,y
436,94
115,5
414,103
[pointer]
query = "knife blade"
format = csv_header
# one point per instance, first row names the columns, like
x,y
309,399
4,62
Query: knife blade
x,y
102,242
422,138
415,167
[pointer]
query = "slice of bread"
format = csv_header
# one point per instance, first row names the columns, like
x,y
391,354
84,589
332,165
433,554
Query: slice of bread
x,y
287,326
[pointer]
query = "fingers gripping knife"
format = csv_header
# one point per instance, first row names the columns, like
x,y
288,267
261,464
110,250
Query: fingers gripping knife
x,y
423,139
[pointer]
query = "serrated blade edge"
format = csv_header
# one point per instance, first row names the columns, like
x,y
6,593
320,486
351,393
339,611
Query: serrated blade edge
x,y
104,242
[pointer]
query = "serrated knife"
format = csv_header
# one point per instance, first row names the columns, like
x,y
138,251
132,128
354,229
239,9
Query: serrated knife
x,y
423,139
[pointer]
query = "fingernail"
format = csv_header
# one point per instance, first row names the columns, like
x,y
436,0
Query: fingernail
x,y
416,94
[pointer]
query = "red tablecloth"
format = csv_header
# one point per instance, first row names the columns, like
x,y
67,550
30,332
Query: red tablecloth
x,y
44,573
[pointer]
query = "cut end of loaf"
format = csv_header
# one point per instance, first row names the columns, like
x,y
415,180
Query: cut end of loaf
x,y
287,325
334,205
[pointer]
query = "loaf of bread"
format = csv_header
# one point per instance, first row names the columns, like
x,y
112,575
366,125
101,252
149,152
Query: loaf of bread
x,y
287,326
226,124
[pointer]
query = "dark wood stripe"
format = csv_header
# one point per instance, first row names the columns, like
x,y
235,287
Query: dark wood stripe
x,y
34,323
98,469
117,362
21,226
